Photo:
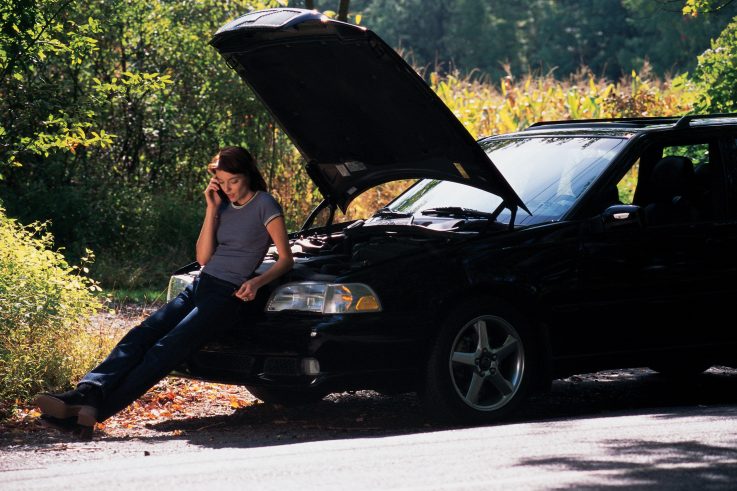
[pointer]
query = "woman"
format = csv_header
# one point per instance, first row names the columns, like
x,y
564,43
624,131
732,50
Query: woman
x,y
241,220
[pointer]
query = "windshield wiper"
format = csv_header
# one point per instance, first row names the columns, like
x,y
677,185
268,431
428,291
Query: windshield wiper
x,y
388,213
457,211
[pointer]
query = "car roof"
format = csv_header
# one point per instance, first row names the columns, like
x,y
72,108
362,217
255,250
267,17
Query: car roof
x,y
629,126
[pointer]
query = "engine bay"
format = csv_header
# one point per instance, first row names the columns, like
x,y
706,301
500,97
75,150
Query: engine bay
x,y
323,253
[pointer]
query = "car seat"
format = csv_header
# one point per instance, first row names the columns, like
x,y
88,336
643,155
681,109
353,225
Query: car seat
x,y
672,184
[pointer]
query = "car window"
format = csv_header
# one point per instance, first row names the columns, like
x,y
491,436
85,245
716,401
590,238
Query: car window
x,y
548,173
626,186
698,153
675,183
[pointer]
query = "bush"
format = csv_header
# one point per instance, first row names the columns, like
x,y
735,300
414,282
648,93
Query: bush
x,y
45,306
155,236
717,73
139,236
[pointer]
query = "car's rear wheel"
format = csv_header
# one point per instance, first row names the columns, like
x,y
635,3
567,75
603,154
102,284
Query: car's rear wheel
x,y
482,364
284,397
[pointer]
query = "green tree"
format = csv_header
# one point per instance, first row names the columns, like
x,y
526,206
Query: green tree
x,y
610,37
417,28
717,68
36,117
147,76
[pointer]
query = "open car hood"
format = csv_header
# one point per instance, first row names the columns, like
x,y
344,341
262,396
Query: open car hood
x,y
358,113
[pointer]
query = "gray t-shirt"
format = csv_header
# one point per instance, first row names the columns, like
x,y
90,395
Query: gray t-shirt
x,y
242,238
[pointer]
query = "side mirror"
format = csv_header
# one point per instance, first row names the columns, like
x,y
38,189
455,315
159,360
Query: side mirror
x,y
617,216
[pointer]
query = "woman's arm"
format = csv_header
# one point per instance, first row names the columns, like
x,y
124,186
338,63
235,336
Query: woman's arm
x,y
278,232
206,242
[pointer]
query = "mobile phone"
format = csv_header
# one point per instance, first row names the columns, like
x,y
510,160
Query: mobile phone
x,y
222,195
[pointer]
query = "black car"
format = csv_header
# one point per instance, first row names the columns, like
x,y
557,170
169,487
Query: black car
x,y
569,247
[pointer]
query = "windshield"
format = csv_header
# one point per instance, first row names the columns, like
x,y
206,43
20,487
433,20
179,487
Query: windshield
x,y
548,173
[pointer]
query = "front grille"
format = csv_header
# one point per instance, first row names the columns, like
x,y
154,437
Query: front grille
x,y
281,366
224,361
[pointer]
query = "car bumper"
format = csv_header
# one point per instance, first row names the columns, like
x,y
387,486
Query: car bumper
x,y
315,352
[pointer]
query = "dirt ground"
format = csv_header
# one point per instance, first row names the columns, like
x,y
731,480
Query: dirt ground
x,y
178,406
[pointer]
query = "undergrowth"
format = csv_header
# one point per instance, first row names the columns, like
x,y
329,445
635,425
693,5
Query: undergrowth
x,y
46,338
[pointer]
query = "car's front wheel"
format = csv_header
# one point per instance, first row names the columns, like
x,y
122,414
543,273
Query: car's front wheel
x,y
482,364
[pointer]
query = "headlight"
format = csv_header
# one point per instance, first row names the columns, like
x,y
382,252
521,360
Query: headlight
x,y
325,298
177,284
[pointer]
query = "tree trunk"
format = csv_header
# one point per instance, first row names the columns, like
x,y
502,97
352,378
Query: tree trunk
x,y
343,10
310,4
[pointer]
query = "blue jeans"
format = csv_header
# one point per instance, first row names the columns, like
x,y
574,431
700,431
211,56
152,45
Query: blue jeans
x,y
149,351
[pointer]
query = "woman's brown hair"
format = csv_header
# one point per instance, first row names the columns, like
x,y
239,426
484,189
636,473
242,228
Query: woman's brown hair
x,y
237,160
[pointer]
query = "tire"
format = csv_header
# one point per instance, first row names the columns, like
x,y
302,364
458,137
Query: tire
x,y
483,364
284,397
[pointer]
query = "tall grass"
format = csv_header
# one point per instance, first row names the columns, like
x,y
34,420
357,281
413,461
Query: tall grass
x,y
486,108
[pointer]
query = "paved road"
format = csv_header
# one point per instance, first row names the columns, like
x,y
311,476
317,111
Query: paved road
x,y
643,441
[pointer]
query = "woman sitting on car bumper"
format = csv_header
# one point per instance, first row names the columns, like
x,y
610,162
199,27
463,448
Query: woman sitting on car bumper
x,y
241,221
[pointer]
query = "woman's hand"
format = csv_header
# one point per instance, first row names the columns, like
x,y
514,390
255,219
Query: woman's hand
x,y
247,291
212,198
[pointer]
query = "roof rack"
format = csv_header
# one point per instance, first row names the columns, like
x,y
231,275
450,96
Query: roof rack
x,y
637,122
685,121
677,121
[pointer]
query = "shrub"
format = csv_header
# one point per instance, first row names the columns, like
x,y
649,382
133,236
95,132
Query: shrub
x,y
717,73
157,236
139,236
45,307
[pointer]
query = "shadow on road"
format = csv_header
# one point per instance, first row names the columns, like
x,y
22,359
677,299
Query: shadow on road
x,y
367,414
641,464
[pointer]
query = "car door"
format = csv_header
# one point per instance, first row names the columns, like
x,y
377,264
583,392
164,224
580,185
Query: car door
x,y
721,249
647,285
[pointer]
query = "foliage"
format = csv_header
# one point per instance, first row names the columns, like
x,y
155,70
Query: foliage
x,y
35,38
717,73
113,125
486,109
611,37
44,307
694,7
157,103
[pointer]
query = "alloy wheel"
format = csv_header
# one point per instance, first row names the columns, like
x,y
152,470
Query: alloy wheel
x,y
487,363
